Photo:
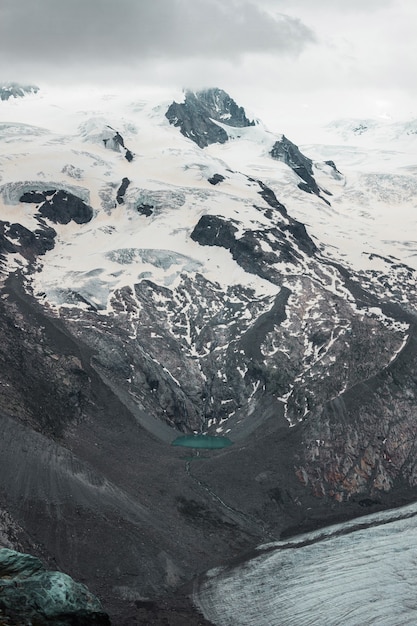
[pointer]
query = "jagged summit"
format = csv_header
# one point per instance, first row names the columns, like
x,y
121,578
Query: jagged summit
x,y
220,106
16,90
197,116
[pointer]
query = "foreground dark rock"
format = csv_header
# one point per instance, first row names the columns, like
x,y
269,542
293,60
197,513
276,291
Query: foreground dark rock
x,y
31,594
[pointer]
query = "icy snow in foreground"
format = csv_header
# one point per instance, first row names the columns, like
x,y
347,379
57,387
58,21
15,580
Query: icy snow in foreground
x,y
366,576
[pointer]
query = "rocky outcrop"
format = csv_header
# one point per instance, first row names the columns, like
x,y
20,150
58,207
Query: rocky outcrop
x,y
216,179
332,164
116,142
29,243
258,251
16,239
145,209
196,117
297,229
30,594
122,190
59,206
287,152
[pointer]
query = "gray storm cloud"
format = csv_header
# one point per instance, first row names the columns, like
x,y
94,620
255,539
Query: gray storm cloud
x,y
96,32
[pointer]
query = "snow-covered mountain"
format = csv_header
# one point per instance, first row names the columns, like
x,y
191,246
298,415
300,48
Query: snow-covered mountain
x,y
175,268
16,90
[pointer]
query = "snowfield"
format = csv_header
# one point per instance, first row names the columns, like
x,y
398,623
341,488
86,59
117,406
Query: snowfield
x,y
50,139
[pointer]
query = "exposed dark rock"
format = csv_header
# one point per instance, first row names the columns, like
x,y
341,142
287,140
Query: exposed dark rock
x,y
194,116
214,231
32,595
221,107
360,129
34,197
118,139
6,246
59,206
246,250
195,125
297,229
16,238
216,179
33,243
145,209
299,232
287,152
271,199
116,142
122,190
333,166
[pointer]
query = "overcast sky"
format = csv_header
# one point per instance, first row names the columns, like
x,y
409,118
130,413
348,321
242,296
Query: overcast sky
x,y
279,58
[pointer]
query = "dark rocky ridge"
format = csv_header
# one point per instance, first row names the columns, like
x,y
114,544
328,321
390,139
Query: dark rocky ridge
x,y
246,249
287,152
15,238
194,116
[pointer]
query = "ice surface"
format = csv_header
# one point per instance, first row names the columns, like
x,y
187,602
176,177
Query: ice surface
x,y
362,572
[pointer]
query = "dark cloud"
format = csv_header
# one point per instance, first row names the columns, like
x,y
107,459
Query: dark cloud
x,y
95,33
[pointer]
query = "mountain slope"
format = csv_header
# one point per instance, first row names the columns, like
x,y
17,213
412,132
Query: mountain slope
x,y
155,285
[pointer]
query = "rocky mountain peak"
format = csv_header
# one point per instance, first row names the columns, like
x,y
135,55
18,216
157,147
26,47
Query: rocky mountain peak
x,y
197,116
220,106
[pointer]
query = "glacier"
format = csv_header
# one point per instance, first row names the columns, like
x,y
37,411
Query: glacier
x,y
360,572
